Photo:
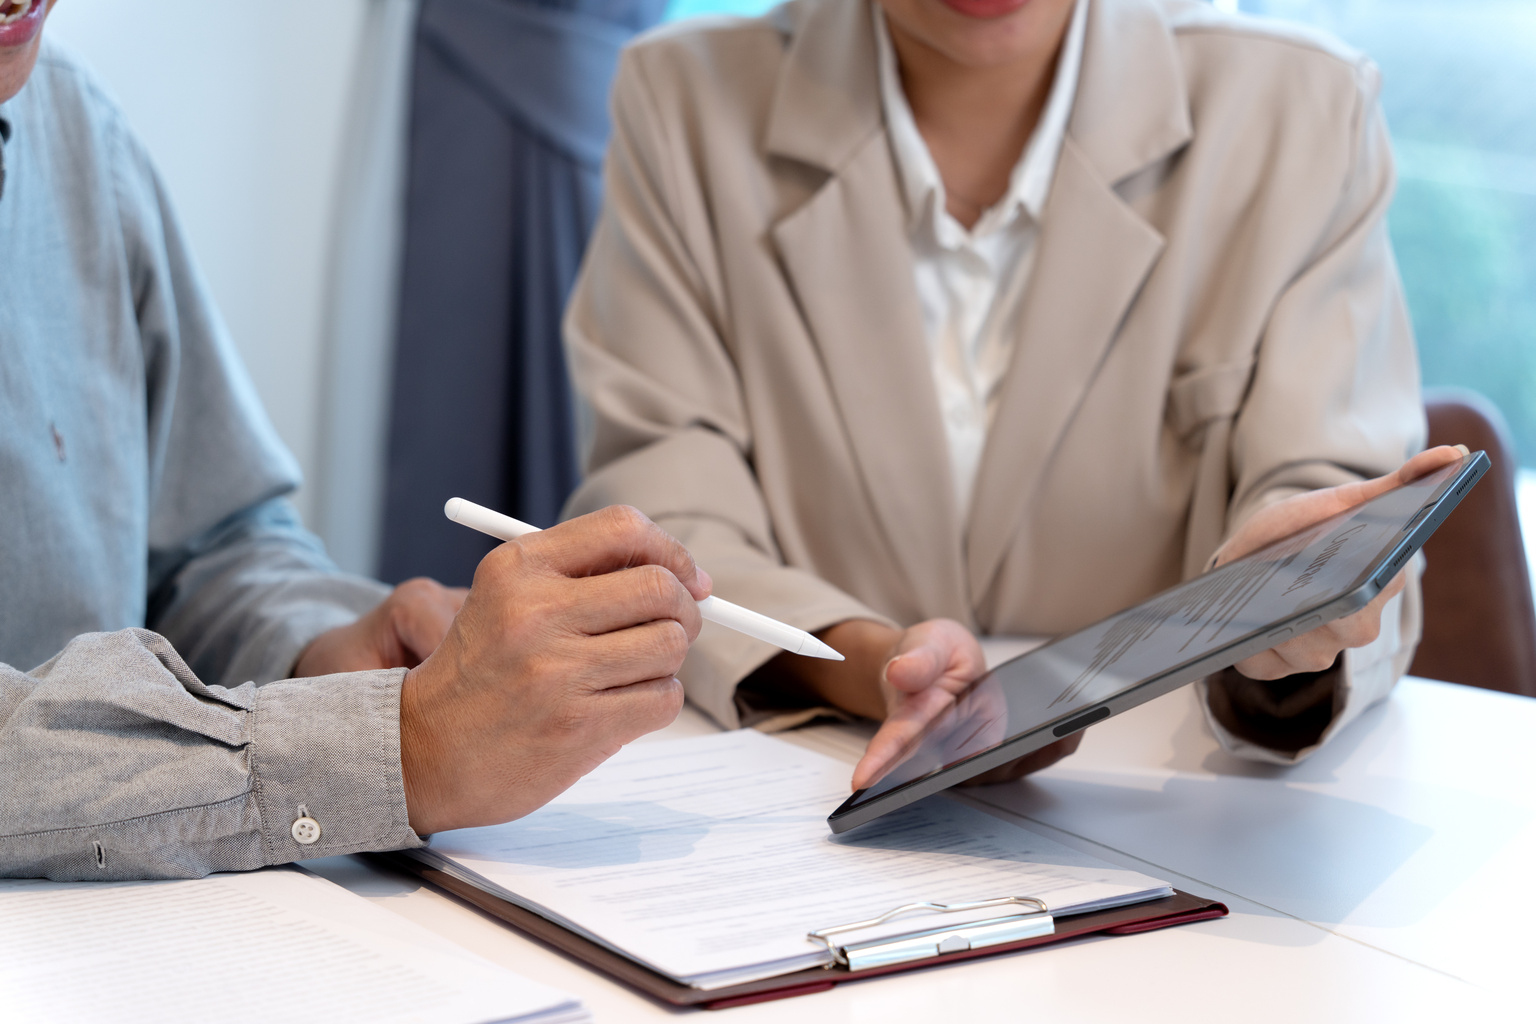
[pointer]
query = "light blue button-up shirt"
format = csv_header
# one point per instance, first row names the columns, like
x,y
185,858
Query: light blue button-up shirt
x,y
142,488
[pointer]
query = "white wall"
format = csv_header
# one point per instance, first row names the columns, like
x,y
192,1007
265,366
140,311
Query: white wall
x,y
243,107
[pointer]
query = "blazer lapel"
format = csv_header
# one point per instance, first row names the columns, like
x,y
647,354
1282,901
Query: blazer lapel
x,y
848,260
1094,253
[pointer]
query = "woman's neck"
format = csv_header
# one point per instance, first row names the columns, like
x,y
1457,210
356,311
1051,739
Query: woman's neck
x,y
976,121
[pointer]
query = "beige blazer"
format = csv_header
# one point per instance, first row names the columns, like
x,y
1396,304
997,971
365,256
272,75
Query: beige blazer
x,y
1214,322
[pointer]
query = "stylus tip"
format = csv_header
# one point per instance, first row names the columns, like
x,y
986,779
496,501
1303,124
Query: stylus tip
x,y
813,648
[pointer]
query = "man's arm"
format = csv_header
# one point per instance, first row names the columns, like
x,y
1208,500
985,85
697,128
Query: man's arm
x,y
243,600
117,762
235,582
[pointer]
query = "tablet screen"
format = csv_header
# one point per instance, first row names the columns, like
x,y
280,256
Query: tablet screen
x,y
1079,672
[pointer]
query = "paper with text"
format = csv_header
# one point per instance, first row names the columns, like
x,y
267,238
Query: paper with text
x,y
275,945
709,859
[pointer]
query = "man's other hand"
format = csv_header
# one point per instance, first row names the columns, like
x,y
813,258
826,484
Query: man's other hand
x,y
566,648
400,633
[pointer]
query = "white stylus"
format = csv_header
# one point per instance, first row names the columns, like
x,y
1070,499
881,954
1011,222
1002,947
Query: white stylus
x,y
743,620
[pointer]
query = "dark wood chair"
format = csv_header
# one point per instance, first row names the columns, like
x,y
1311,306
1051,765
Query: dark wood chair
x,y
1479,619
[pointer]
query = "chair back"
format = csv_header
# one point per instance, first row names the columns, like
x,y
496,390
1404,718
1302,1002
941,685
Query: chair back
x,y
1479,617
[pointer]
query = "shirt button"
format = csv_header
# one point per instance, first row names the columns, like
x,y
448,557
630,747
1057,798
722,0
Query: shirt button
x,y
305,830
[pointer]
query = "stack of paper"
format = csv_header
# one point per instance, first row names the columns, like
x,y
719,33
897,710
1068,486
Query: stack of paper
x,y
709,859
276,945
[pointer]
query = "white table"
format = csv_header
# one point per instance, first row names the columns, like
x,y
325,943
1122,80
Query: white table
x,y
1387,879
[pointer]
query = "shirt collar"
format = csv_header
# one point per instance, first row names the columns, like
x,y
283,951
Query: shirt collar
x,y
1030,183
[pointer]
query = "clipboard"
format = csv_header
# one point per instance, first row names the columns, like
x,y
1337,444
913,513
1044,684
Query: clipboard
x,y
1022,923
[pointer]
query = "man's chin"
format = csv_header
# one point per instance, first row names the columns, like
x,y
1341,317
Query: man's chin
x,y
21,25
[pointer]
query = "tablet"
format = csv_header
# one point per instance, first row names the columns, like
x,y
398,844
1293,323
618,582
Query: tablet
x,y
1198,627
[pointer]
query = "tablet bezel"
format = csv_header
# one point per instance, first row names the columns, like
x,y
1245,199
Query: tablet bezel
x,y
1391,558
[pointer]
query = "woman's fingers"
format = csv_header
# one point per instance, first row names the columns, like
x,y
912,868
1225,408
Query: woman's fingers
x,y
931,663
917,669
1029,763
1317,649
1295,514
939,650
1429,460
1349,495
902,725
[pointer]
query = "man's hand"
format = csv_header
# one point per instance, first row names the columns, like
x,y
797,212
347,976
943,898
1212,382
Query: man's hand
x,y
1318,649
400,633
566,649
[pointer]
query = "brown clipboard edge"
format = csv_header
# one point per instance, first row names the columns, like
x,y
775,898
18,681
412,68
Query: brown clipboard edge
x,y
1180,908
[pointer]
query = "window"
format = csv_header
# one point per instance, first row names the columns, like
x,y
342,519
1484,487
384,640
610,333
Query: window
x,y
693,8
1459,91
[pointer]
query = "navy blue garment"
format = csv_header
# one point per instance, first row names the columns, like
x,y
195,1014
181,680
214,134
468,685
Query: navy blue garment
x,y
509,119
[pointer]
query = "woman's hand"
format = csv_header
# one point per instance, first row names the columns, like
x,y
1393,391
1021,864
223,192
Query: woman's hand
x,y
1317,650
907,678
930,666
927,667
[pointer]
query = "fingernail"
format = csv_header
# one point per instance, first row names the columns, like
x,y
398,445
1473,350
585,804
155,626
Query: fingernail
x,y
705,578
1463,449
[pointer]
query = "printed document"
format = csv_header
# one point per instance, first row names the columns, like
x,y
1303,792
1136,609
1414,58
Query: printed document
x,y
709,859
273,945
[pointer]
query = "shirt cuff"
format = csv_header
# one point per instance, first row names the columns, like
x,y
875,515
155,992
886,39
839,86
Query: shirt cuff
x,y
327,749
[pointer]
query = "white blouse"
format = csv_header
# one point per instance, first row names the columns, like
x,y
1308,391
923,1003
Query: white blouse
x,y
970,282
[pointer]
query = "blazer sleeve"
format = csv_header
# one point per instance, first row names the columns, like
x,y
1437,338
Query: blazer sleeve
x,y
670,432
1334,398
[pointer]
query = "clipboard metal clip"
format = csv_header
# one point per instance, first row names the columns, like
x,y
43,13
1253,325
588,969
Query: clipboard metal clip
x,y
1034,920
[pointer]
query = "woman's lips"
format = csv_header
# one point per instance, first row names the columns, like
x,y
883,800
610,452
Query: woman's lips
x,y
25,28
984,8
